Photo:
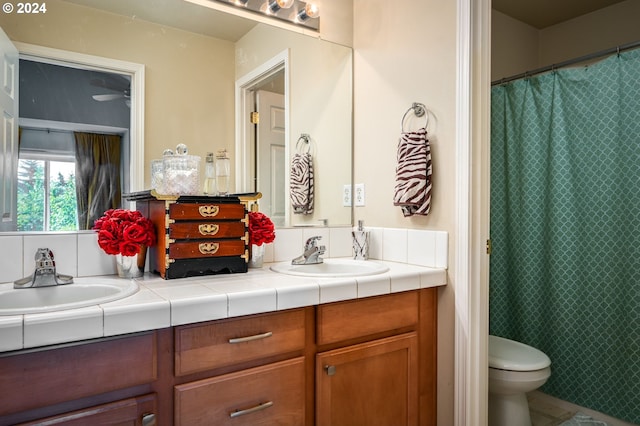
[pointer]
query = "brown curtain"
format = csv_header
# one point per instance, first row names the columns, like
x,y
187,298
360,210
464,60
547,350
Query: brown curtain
x,y
97,176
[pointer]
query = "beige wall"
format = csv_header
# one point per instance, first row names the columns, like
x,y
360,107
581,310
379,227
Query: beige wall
x,y
406,53
514,46
517,47
189,78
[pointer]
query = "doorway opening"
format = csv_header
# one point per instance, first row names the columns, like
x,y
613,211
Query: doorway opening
x,y
262,144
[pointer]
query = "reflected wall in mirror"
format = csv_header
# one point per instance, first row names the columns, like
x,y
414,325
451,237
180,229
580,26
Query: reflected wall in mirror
x,y
189,74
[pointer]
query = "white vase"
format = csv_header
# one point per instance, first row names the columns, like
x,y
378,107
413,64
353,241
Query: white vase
x,y
131,266
257,256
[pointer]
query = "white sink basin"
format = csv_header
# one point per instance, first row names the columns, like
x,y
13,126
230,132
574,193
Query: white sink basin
x,y
82,292
332,268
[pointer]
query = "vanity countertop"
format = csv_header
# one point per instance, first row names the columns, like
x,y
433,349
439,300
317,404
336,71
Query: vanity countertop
x,y
164,303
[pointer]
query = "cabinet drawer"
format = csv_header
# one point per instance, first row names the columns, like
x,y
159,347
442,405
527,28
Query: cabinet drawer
x,y
53,376
199,230
358,318
198,211
198,249
267,395
135,411
218,344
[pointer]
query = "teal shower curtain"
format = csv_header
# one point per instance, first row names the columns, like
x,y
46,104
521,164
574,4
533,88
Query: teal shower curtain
x,y
565,227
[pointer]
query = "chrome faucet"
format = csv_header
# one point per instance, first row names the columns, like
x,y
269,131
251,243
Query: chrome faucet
x,y
312,252
45,274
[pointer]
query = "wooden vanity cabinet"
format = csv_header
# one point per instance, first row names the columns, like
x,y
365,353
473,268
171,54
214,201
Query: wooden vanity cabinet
x,y
368,361
262,365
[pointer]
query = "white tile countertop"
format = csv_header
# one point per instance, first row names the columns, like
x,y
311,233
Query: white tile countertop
x,y
163,303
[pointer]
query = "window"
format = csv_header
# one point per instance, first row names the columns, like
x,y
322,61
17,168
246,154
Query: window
x,y
46,194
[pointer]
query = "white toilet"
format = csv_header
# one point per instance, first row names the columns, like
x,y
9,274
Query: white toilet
x,y
514,370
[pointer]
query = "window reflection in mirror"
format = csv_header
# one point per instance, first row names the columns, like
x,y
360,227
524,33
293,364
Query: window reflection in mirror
x,y
72,123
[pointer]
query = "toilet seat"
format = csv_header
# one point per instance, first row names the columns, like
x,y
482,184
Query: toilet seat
x,y
505,354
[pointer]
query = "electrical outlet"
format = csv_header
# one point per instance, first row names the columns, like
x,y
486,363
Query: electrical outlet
x,y
346,195
359,195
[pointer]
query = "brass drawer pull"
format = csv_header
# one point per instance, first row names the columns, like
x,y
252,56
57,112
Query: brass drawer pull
x,y
258,407
208,248
208,229
209,211
250,338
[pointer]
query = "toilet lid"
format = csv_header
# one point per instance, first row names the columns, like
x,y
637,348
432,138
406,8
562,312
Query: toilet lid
x,y
506,354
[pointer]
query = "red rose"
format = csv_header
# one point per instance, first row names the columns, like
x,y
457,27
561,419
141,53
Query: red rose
x,y
129,248
134,233
108,242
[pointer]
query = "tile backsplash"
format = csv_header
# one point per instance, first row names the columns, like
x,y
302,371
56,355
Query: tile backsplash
x,y
78,253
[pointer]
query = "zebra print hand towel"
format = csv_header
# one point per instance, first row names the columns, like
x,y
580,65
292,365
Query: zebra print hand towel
x,y
301,187
413,174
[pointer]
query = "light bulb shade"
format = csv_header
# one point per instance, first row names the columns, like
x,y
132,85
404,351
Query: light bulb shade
x,y
276,5
311,10
239,2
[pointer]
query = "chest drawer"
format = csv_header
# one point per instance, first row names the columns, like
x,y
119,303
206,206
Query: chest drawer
x,y
204,249
199,211
198,230
359,318
272,394
212,345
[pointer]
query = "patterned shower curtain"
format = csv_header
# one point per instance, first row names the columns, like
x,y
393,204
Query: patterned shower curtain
x,y
565,227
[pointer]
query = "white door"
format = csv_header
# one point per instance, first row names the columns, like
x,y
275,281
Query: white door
x,y
271,156
9,130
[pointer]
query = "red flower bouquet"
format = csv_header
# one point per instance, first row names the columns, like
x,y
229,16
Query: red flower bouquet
x,y
261,229
124,231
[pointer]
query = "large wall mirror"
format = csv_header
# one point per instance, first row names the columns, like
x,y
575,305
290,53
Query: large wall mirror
x,y
202,68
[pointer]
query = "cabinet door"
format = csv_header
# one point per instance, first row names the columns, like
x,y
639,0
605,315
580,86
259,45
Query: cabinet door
x,y
263,396
373,383
139,411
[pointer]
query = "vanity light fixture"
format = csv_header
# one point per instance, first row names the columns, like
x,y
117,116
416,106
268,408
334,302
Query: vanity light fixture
x,y
299,12
311,10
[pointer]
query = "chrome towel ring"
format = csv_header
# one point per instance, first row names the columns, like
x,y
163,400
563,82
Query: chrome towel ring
x,y
419,110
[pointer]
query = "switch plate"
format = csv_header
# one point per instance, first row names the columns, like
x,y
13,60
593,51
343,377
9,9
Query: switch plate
x,y
346,196
359,195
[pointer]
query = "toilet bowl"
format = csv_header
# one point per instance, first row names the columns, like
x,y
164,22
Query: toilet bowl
x,y
514,370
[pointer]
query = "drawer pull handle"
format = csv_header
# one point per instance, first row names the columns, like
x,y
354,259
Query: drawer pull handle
x,y
149,419
250,338
208,248
258,407
209,211
208,229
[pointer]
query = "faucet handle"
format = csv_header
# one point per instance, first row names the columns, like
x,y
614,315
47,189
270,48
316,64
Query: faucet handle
x,y
44,258
311,242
